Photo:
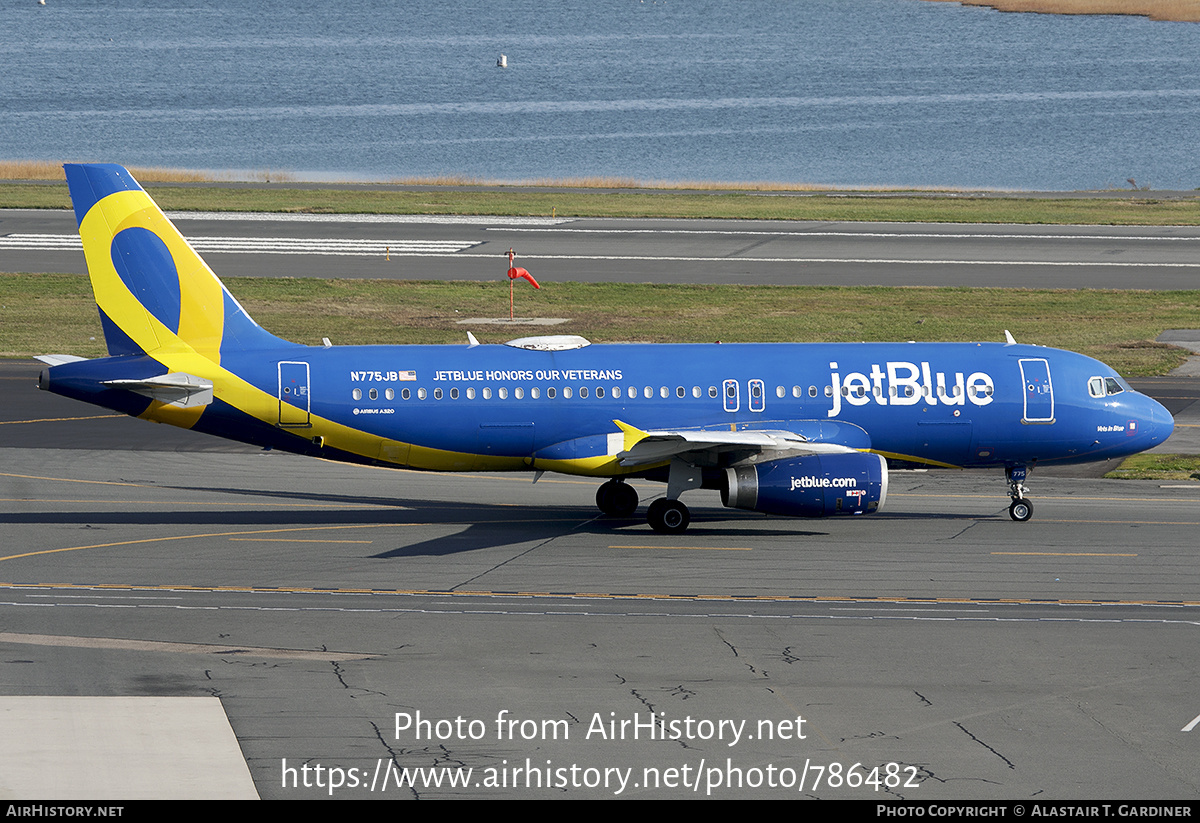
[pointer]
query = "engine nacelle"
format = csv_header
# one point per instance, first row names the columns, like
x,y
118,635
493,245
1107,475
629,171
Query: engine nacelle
x,y
814,485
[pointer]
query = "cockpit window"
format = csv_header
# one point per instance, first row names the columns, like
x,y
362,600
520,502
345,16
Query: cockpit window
x,y
1104,386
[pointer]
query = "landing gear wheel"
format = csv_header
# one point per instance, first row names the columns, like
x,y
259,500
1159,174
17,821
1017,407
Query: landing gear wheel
x,y
668,516
617,499
1021,510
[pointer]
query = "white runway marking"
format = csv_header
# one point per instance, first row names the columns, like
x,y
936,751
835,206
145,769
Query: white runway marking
x,y
1192,725
339,247
265,245
857,234
451,219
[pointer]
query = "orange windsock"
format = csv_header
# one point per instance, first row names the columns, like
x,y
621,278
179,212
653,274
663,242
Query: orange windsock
x,y
517,271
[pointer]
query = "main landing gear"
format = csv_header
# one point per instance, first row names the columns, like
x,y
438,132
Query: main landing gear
x,y
1022,507
666,515
617,498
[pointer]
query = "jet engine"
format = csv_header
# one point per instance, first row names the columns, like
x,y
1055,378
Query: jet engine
x,y
812,485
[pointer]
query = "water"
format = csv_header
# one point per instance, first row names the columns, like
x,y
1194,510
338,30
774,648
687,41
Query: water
x,y
850,92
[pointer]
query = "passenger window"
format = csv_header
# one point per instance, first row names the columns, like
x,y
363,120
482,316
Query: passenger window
x,y
373,394
502,392
712,391
390,394
696,391
421,393
356,394
487,393
567,392
648,392
454,394
550,392
535,392
680,391
405,393
437,394
471,393
812,391
518,392
599,391
583,391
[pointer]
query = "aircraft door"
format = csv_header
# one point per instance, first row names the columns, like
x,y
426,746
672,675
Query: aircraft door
x,y
1038,391
294,397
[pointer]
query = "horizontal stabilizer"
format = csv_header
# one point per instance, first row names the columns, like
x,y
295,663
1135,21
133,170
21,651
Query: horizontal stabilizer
x,y
58,359
179,390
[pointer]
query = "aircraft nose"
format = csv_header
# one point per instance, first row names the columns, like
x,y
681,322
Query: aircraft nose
x,y
1159,423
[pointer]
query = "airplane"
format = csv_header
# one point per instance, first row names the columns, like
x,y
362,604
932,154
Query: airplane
x,y
800,429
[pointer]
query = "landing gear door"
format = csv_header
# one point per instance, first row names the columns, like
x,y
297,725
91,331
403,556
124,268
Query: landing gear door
x,y
1038,390
294,398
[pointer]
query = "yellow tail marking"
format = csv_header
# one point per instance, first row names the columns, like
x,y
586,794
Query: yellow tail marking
x,y
201,310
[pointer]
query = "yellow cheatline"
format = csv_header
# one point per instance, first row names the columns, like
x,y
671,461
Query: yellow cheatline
x,y
908,458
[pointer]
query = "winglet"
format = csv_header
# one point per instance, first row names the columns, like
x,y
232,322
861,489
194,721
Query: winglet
x,y
1009,340
633,435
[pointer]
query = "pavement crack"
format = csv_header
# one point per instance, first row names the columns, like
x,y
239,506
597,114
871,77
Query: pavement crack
x,y
340,674
1008,762
923,698
392,755
507,560
962,531
732,648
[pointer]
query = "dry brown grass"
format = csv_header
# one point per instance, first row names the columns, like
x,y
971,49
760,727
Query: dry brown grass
x,y
50,170
1187,11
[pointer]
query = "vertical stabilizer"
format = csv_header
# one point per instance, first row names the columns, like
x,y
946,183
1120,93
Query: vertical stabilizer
x,y
153,290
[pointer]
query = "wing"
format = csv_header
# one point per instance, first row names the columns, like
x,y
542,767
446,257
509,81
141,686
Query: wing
x,y
708,447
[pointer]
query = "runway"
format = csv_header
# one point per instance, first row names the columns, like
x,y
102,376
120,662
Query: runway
x,y
668,251
938,646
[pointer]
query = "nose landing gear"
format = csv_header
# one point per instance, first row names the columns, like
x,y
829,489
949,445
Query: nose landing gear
x,y
1021,508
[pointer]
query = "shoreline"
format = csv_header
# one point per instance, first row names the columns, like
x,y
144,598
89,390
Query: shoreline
x,y
1167,11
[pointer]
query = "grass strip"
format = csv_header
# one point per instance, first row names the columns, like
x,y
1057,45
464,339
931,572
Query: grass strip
x,y
1158,467
55,313
1146,210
